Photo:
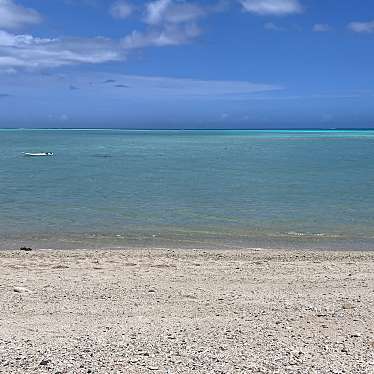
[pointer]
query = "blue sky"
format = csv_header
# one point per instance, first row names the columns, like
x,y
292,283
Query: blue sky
x,y
187,64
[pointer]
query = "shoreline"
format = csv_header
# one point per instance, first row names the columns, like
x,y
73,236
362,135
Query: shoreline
x,y
293,250
117,242
186,311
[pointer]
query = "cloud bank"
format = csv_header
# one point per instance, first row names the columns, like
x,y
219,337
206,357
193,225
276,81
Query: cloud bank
x,y
26,51
163,86
13,16
106,85
166,23
272,7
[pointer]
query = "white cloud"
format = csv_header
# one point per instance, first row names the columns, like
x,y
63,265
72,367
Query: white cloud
x,y
13,16
121,9
169,35
321,27
190,87
272,7
155,11
170,22
169,11
26,51
362,27
272,27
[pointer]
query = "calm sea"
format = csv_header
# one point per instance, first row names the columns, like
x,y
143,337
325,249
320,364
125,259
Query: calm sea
x,y
115,188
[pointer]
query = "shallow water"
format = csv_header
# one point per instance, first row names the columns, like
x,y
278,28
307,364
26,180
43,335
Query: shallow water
x,y
112,188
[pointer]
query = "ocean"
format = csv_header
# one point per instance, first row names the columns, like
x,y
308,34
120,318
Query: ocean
x,y
195,189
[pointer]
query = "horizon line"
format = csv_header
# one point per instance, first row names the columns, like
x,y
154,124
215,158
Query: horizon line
x,y
192,129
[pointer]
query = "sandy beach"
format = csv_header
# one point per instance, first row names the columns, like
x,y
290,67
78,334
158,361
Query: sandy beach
x,y
186,311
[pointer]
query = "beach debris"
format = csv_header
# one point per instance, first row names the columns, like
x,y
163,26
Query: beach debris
x,y
25,249
143,353
44,362
21,290
60,266
348,306
130,264
163,266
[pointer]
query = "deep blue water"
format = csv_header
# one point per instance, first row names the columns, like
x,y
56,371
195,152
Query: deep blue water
x,y
115,188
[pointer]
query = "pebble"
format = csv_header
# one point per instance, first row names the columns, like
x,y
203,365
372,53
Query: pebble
x,y
348,306
21,290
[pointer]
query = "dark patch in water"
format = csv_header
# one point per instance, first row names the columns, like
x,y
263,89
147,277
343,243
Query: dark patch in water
x,y
102,156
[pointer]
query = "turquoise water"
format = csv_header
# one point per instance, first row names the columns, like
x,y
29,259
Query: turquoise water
x,y
113,188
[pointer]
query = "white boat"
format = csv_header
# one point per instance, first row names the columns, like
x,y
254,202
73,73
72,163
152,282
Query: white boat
x,y
38,154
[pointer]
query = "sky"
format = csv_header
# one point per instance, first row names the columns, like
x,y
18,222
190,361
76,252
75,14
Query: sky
x,y
187,64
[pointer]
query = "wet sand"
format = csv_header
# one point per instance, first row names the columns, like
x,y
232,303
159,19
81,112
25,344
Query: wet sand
x,y
186,311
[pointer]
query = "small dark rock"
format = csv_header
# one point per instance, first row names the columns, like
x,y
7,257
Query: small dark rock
x,y
60,267
44,362
25,249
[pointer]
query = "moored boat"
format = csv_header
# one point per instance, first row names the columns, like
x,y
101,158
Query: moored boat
x,y
38,154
